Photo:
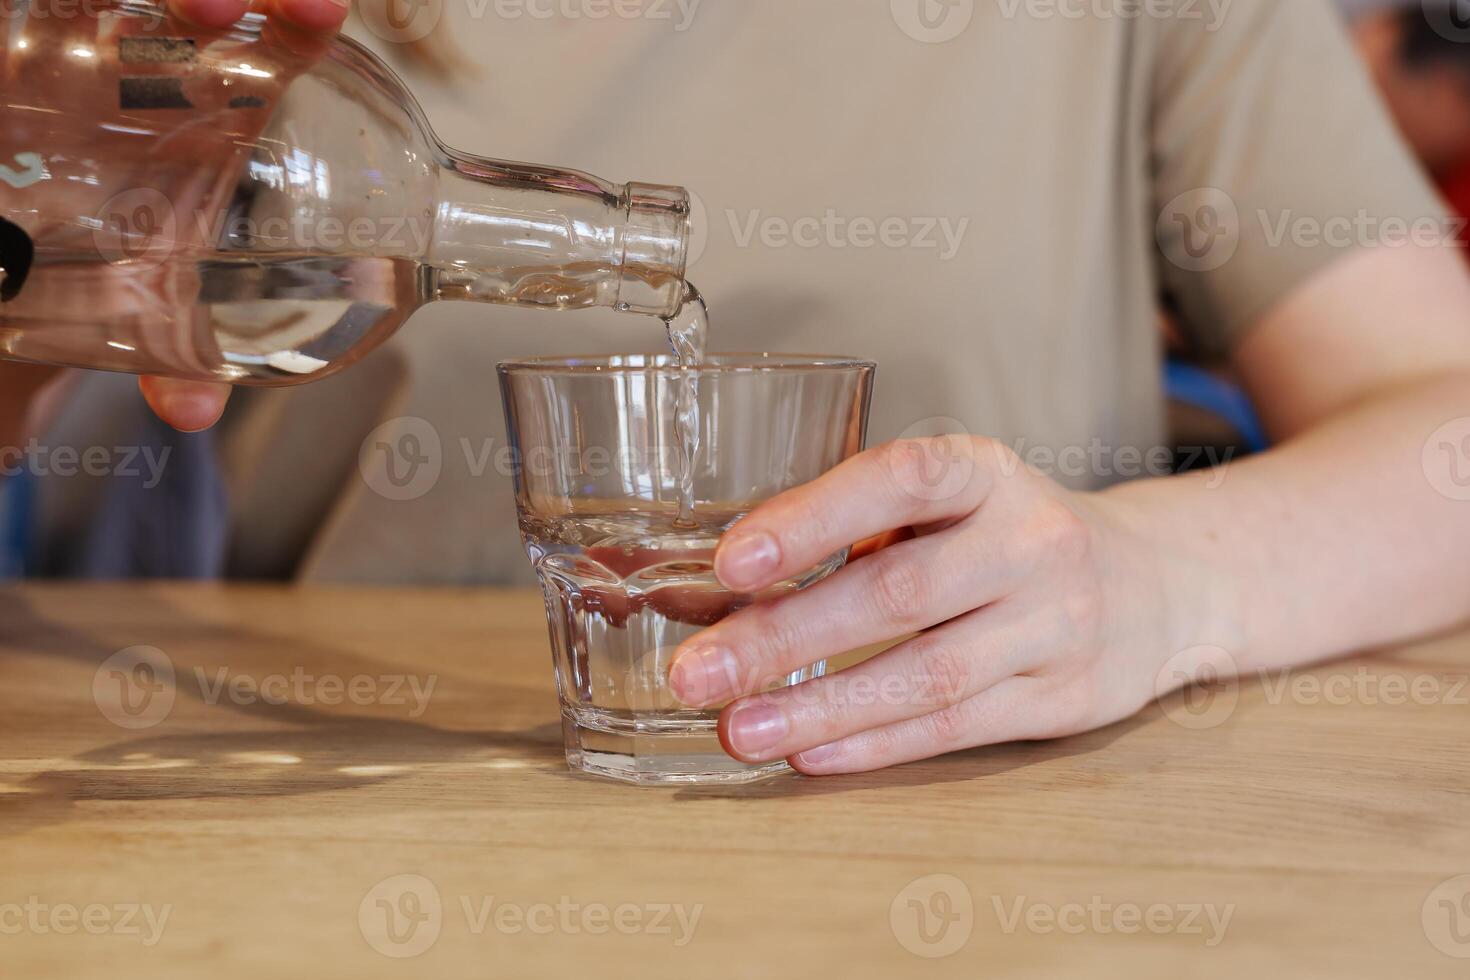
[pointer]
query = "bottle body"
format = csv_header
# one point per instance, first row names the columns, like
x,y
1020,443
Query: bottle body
x,y
237,208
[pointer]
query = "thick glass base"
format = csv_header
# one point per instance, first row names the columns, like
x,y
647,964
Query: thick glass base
x,y
653,758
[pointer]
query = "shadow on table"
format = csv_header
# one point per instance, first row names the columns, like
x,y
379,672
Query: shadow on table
x,y
323,752
318,752
958,767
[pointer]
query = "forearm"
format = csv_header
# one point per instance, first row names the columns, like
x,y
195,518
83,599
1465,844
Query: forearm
x,y
1343,538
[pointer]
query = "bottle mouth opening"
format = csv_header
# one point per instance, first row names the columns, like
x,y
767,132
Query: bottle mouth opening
x,y
655,249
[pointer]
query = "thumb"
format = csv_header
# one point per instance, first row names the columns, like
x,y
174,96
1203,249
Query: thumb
x,y
186,405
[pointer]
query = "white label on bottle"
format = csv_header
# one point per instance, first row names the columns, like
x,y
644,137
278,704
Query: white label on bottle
x,y
32,170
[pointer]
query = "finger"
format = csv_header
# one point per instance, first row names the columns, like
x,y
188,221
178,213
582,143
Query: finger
x,y
932,672
317,16
1012,711
186,405
913,481
299,33
898,591
211,14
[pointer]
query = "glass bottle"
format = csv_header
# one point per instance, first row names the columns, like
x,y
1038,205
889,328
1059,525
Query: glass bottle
x,y
255,207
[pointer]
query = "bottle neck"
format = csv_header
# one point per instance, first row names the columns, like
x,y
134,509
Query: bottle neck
x,y
535,236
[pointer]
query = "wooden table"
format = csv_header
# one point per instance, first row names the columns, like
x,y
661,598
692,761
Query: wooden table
x,y
1263,831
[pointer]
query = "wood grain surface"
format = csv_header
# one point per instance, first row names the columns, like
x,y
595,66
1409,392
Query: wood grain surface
x,y
369,783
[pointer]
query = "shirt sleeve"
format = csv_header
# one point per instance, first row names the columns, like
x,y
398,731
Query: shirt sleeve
x,y
1272,157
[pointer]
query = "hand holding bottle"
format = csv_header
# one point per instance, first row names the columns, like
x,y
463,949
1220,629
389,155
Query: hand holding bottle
x,y
262,203
301,29
192,405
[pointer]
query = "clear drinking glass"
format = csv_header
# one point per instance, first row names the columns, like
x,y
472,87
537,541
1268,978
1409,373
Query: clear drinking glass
x,y
599,457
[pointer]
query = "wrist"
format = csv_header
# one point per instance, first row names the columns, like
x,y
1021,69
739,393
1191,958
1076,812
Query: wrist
x,y
1171,574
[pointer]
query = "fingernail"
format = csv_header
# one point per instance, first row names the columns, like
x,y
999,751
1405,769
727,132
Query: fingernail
x,y
755,729
746,560
818,755
220,13
703,676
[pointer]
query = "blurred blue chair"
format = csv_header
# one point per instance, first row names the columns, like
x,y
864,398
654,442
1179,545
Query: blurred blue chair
x,y
1190,385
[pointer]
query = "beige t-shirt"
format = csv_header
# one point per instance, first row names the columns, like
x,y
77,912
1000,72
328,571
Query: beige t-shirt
x,y
990,198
